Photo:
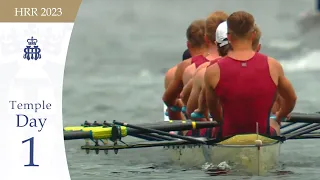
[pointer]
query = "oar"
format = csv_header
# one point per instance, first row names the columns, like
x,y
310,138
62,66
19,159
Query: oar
x,y
301,129
148,137
298,127
74,135
167,126
81,132
149,130
152,137
301,117
304,118
307,136
287,125
304,131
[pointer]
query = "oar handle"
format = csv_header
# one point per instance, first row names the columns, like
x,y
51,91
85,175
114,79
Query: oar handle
x,y
73,135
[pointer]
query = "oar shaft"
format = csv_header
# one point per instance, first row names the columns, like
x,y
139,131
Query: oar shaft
x,y
306,136
304,118
287,125
152,137
305,131
174,126
148,137
149,130
296,128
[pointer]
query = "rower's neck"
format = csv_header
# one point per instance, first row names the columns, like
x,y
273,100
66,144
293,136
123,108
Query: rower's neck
x,y
244,45
241,50
213,52
198,51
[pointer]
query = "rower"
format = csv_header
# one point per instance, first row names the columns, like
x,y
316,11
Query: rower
x,y
168,78
241,87
196,46
221,46
212,22
198,113
199,98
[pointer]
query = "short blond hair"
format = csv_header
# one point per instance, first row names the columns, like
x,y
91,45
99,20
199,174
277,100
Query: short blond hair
x,y
195,33
212,23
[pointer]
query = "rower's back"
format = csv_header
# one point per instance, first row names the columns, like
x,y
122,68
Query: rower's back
x,y
196,61
246,91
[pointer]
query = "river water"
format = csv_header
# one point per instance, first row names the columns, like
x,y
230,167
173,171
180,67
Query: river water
x,y
117,57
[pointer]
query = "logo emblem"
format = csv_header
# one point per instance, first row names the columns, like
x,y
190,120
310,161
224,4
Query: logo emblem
x,y
32,51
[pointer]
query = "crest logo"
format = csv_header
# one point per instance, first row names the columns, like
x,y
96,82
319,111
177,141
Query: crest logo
x,y
32,51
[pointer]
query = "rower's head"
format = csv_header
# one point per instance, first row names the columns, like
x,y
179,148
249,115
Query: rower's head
x,y
212,23
195,33
256,46
222,42
241,29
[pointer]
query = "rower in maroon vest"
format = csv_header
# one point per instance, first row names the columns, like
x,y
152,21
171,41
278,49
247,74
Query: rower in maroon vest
x,y
241,87
196,46
221,47
212,22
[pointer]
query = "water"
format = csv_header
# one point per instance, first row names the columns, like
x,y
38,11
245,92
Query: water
x,y
120,50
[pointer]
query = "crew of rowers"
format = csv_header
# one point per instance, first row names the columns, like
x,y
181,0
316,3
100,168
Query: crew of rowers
x,y
227,79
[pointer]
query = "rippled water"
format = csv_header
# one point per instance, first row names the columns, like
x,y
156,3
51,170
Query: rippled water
x,y
120,50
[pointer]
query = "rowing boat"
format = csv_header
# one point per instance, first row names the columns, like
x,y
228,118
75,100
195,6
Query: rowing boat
x,y
240,152
245,153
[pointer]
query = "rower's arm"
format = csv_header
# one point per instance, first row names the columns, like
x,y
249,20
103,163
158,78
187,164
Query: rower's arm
x,y
202,103
169,76
211,79
286,92
193,98
175,87
185,94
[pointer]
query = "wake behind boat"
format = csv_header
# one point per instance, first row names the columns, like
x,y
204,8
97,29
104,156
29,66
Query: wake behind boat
x,y
245,153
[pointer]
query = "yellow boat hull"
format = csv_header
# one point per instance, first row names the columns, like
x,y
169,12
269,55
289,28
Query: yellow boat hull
x,y
240,152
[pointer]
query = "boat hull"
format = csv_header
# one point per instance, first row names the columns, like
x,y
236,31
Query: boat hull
x,y
245,157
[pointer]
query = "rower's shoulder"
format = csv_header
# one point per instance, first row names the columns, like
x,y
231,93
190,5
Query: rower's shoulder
x,y
184,63
274,64
182,66
171,70
213,69
212,74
